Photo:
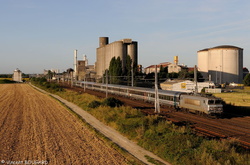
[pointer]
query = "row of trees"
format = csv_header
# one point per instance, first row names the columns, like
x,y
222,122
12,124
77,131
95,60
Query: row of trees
x,y
117,74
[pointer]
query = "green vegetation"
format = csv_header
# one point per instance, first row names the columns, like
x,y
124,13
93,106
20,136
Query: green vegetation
x,y
119,75
44,84
110,102
237,101
115,70
178,145
94,104
246,80
6,81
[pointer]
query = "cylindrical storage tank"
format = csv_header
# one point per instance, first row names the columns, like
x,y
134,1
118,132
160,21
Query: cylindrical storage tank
x,y
103,41
132,52
100,60
226,64
114,49
203,63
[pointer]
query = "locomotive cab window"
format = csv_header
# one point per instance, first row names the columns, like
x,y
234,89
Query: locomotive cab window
x,y
210,101
218,102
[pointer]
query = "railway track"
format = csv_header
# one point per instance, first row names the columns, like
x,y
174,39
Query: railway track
x,y
237,128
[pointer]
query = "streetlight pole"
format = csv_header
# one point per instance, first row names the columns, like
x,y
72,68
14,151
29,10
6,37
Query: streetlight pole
x,y
220,73
132,76
157,103
106,83
216,75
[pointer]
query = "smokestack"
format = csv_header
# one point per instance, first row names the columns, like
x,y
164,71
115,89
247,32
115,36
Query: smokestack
x,y
75,63
85,59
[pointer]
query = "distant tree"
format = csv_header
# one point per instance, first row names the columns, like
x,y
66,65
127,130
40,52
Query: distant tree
x,y
183,74
119,66
246,80
150,75
115,69
49,75
69,73
163,72
128,67
191,74
173,75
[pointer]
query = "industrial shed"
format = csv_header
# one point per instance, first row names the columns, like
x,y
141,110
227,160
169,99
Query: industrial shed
x,y
184,85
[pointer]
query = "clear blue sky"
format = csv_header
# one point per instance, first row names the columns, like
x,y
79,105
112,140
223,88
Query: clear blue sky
x,y
42,34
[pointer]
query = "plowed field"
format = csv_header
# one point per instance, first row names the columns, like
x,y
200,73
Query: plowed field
x,y
34,128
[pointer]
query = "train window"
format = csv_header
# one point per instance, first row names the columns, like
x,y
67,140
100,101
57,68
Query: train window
x,y
151,95
136,92
163,97
122,90
116,89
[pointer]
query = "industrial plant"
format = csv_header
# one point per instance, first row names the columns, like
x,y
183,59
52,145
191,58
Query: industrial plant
x,y
218,65
106,51
82,69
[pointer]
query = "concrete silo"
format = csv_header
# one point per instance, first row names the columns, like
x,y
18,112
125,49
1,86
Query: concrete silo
x,y
132,51
103,41
107,51
223,64
17,75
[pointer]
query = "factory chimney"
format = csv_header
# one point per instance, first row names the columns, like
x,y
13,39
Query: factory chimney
x,y
75,64
85,59
176,60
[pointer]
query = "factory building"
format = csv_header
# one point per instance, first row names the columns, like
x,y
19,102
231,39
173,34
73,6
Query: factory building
x,y
176,67
151,68
221,64
184,85
17,75
82,69
107,51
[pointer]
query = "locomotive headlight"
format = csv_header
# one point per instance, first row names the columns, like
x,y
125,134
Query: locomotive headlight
x,y
220,109
211,109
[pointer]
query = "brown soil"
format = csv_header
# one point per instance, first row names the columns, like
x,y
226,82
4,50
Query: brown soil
x,y
35,127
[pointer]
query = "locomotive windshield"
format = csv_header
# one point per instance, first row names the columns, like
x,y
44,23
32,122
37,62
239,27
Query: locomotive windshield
x,y
214,101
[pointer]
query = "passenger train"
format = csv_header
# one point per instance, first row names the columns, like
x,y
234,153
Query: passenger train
x,y
199,104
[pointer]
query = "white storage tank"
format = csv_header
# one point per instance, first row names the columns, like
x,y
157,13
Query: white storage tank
x,y
17,75
224,64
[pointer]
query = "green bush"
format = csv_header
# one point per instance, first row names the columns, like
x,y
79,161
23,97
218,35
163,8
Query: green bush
x,y
94,104
42,82
112,102
6,81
